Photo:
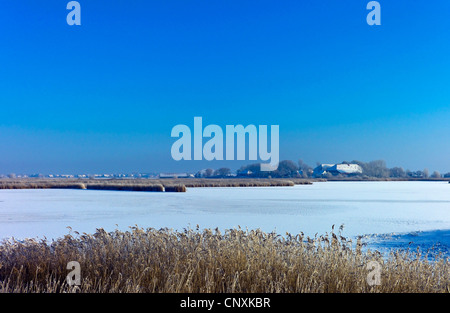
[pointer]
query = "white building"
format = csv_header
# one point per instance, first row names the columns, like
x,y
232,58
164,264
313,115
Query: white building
x,y
336,169
322,169
346,169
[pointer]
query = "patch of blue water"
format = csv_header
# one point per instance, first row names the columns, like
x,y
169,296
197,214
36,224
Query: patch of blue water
x,y
428,243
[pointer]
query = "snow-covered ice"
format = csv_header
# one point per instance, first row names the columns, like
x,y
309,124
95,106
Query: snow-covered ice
x,y
365,208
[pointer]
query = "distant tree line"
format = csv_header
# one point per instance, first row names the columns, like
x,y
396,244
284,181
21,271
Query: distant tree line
x,y
286,169
379,169
290,169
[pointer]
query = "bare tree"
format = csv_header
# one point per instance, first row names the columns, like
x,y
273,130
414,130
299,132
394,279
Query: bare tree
x,y
304,168
224,171
397,172
436,174
209,172
286,168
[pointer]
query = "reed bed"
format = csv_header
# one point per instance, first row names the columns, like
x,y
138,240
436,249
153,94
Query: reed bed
x,y
175,188
209,261
41,184
126,187
156,185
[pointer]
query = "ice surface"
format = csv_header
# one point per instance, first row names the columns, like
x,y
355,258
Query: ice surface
x,y
363,208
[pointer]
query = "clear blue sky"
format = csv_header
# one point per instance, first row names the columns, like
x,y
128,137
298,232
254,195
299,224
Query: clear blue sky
x,y
104,96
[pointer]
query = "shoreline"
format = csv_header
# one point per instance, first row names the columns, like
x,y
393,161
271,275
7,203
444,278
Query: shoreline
x,y
180,184
154,185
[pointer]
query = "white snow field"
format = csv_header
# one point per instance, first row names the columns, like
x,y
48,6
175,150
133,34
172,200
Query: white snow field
x,y
418,209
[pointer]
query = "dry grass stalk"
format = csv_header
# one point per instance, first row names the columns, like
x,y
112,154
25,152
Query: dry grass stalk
x,y
210,261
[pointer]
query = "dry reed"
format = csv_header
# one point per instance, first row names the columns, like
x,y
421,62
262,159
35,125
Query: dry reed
x,y
159,185
209,261
126,187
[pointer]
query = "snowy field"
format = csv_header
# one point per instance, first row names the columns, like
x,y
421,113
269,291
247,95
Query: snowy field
x,y
395,213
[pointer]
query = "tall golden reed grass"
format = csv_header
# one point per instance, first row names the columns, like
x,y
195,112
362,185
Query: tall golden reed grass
x,y
208,261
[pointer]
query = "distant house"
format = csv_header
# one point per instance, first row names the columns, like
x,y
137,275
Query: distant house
x,y
337,169
321,170
347,169
244,173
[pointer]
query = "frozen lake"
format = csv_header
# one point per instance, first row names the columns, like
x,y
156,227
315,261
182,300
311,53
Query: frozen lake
x,y
365,208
